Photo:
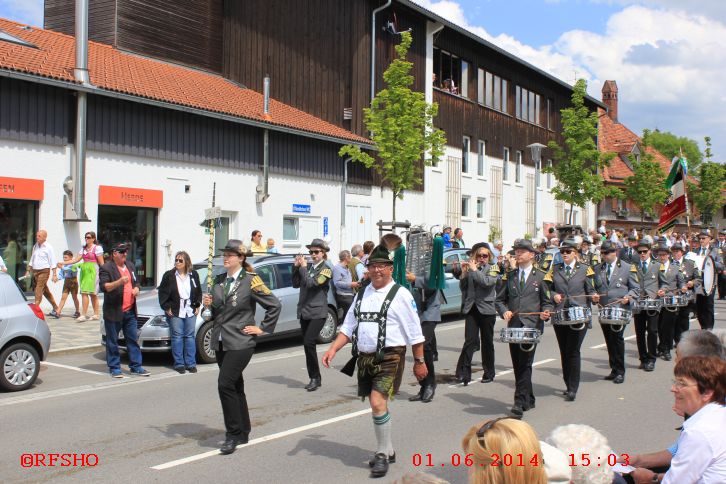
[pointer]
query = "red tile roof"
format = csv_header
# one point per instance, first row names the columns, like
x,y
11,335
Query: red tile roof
x,y
113,70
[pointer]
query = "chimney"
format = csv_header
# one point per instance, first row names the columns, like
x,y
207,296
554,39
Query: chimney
x,y
610,99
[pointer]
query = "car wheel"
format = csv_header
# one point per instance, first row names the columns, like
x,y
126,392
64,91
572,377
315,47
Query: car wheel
x,y
20,367
330,328
205,353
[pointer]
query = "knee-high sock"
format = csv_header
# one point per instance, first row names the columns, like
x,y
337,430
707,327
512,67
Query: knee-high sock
x,y
382,426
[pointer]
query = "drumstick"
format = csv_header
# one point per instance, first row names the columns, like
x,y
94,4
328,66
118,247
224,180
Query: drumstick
x,y
586,295
516,313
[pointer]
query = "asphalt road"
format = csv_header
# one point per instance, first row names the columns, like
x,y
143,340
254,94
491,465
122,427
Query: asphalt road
x,y
167,428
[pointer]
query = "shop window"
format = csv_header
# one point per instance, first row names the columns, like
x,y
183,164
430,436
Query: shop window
x,y
135,227
18,225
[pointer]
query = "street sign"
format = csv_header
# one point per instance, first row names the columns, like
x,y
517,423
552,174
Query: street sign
x,y
212,213
325,226
299,208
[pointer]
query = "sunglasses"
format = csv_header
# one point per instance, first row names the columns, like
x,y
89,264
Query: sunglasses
x,y
643,251
313,252
180,261
122,252
483,256
566,251
484,428
89,236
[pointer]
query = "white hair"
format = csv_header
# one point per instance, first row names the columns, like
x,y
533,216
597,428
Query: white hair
x,y
582,439
721,333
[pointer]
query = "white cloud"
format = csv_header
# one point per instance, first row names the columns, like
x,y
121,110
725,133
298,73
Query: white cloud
x,y
24,11
668,63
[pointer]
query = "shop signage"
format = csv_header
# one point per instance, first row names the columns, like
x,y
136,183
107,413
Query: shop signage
x,y
298,208
325,226
130,197
21,188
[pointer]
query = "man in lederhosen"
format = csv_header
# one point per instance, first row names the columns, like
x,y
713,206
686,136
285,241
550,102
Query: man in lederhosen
x,y
381,322
650,281
523,290
690,279
672,286
704,304
616,282
573,285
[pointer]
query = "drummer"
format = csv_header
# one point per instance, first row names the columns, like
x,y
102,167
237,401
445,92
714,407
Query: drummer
x,y
704,303
523,300
690,279
650,281
673,286
587,253
618,284
573,285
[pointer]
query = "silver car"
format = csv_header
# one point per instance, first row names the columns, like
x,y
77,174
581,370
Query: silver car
x,y
275,270
24,337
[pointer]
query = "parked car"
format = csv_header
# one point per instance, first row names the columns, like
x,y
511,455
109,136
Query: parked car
x,y
24,337
452,293
275,270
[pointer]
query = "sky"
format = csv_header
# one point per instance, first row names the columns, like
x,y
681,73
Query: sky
x,y
668,57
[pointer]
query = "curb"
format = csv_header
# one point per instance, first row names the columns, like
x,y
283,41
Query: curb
x,y
71,350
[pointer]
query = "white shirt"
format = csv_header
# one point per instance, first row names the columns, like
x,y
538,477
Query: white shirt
x,y
572,266
701,455
402,326
527,271
184,287
43,257
666,264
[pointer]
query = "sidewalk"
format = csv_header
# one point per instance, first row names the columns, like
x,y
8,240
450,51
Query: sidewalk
x,y
69,335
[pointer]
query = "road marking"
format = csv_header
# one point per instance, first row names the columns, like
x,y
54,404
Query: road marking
x,y
75,368
596,347
261,440
506,372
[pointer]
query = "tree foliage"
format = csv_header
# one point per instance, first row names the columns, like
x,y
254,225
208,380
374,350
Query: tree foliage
x,y
707,195
671,145
577,164
402,128
646,186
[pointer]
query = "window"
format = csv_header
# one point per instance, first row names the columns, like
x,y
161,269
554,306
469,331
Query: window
x,y
527,105
492,91
480,206
451,73
465,154
290,229
136,227
267,274
17,236
285,272
449,263
481,162
464,206
549,174
550,108
505,165
518,169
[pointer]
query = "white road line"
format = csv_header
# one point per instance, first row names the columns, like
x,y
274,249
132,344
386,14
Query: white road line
x,y
75,368
596,347
506,372
260,440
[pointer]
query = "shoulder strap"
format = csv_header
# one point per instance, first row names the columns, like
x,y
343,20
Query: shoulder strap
x,y
382,316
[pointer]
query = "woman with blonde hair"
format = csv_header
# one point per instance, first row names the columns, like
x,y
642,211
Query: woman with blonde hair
x,y
497,447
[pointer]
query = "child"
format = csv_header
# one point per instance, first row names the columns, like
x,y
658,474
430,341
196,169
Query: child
x,y
69,274
271,249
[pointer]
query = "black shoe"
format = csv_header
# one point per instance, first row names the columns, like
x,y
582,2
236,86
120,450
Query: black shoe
x,y
313,385
517,410
666,356
391,460
619,379
641,366
486,379
230,445
436,357
465,382
650,366
570,396
192,369
428,393
180,369
380,465
416,398
611,376
528,407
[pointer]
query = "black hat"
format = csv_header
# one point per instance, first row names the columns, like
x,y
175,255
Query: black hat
x,y
120,247
476,247
608,246
569,243
523,244
632,238
704,233
677,246
643,243
380,254
662,246
320,244
236,246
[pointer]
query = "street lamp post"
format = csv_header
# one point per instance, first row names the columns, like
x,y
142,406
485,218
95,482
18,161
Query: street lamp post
x,y
537,158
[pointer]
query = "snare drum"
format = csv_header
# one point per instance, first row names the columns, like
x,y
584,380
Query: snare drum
x,y
676,301
520,336
647,304
572,316
614,317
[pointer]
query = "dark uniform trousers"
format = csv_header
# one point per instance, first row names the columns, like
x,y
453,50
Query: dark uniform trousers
x,y
647,347
311,329
704,310
428,327
616,348
666,329
476,324
682,322
231,387
522,363
570,340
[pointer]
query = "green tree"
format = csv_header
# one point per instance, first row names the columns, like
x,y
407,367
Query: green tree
x,y
646,186
402,128
577,164
707,195
671,145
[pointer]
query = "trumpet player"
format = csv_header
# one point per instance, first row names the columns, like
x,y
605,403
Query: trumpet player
x,y
673,284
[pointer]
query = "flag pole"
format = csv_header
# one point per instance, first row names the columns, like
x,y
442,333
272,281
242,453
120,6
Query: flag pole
x,y
684,167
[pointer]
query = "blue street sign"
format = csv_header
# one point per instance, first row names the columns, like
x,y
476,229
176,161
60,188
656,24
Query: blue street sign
x,y
325,226
299,208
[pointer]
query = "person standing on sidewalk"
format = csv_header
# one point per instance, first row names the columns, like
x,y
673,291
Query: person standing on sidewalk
x,y
91,256
117,279
42,262
345,286
180,296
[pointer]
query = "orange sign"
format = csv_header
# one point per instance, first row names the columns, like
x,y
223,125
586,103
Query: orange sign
x,y
130,197
21,188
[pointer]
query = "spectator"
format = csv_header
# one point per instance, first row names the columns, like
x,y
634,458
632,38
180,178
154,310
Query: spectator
x,y
271,249
256,246
446,235
42,262
458,238
368,246
583,440
69,274
602,229
91,255
502,436
117,279
343,281
554,243
10,254
497,249
180,295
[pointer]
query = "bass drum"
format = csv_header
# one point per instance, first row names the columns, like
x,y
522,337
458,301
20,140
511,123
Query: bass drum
x,y
709,276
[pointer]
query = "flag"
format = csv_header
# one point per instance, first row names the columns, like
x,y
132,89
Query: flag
x,y
676,204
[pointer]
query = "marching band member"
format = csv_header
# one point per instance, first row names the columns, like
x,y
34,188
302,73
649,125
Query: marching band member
x,y
523,300
690,280
704,304
673,284
650,281
587,254
572,283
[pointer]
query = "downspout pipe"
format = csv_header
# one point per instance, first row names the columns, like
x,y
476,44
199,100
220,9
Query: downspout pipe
x,y
373,46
